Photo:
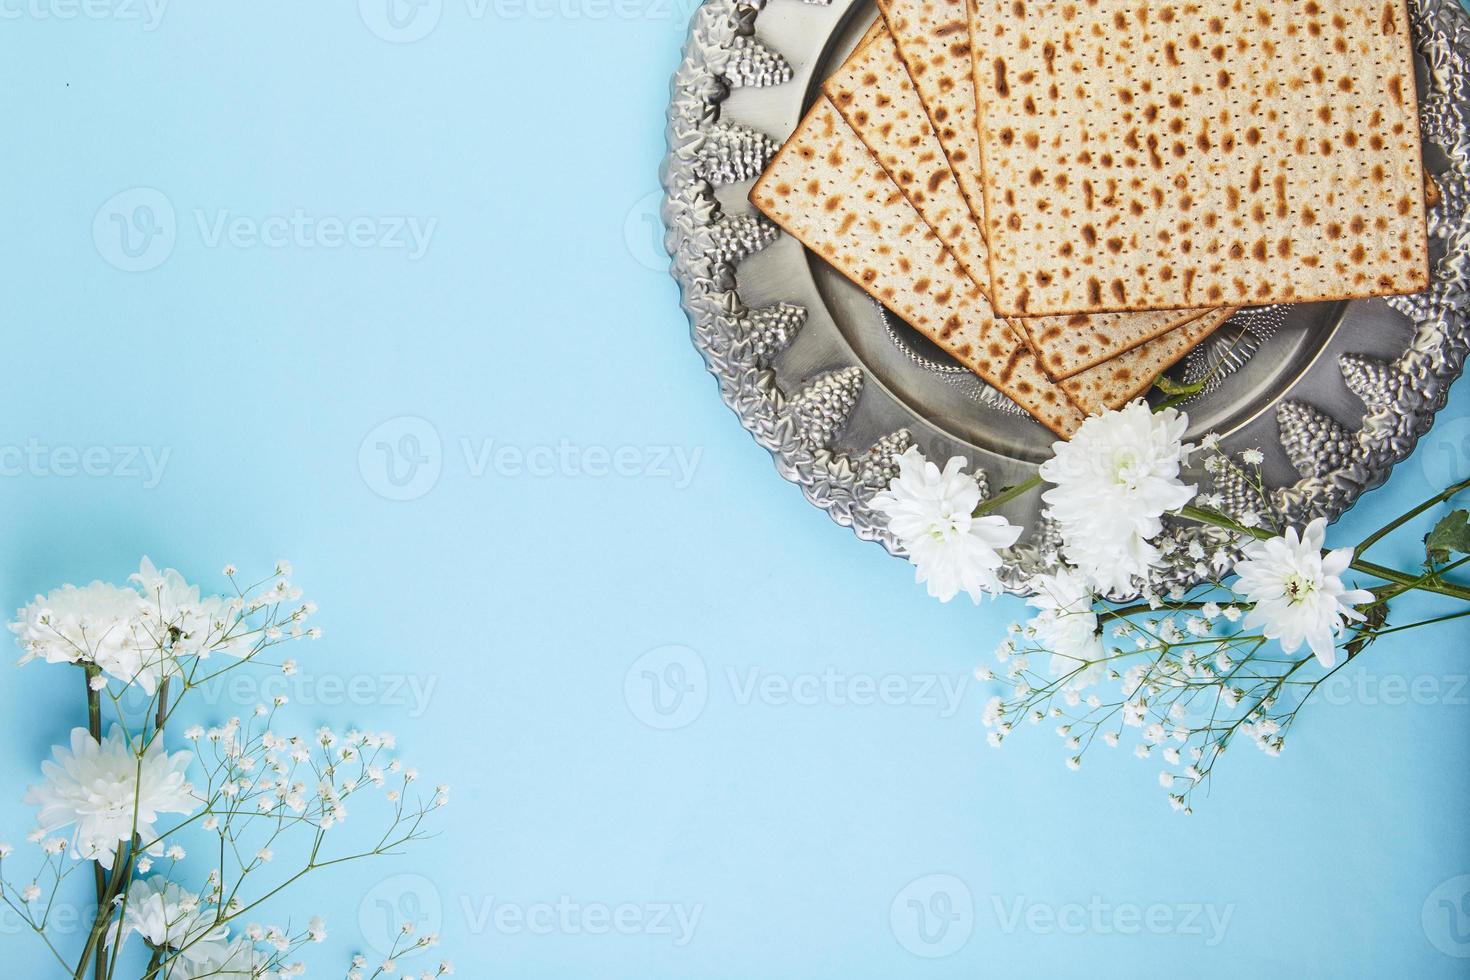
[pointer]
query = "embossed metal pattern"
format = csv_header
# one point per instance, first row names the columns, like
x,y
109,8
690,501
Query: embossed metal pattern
x,y
1338,426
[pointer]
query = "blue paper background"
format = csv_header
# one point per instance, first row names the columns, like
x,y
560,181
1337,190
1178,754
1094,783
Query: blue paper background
x,y
495,621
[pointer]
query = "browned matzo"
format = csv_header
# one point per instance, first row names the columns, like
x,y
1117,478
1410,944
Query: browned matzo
x,y
1145,156
828,191
874,93
1115,383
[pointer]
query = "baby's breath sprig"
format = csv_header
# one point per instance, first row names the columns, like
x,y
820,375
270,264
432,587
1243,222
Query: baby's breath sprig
x,y
1185,676
260,806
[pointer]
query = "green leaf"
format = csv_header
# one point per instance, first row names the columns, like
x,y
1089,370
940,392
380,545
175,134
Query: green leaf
x,y
1450,535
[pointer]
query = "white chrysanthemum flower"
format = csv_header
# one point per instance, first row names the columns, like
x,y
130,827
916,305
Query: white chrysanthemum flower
x,y
931,512
1113,482
1067,627
95,623
100,787
166,915
1298,592
177,606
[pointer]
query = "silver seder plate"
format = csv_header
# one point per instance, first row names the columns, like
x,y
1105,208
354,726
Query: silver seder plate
x,y
1333,394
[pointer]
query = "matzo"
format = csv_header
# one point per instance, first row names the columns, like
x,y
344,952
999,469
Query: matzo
x,y
1115,383
828,192
877,97
933,38
1143,156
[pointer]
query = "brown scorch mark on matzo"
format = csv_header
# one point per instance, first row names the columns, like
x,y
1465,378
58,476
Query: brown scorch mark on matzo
x,y
1253,151
876,94
962,321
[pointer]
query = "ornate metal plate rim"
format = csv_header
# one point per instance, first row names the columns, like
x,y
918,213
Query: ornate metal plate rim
x,y
800,428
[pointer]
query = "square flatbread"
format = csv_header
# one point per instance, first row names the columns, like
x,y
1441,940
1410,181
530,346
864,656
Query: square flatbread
x,y
1149,155
828,192
877,97
933,42
873,93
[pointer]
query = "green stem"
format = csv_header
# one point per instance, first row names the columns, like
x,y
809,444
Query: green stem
x,y
122,873
95,943
1387,592
162,716
1221,521
1394,525
1143,607
1007,496
1413,582
94,702
99,876
1426,622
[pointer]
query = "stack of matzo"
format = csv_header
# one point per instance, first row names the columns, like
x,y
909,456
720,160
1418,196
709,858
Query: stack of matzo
x,y
1069,195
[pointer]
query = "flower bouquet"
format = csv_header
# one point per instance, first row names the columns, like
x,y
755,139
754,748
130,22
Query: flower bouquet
x,y
131,793
1275,614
